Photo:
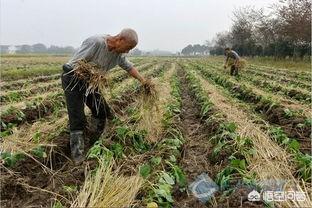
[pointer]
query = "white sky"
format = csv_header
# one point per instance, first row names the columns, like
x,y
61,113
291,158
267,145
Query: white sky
x,y
161,24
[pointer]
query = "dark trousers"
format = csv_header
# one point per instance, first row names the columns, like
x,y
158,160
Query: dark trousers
x,y
234,70
75,91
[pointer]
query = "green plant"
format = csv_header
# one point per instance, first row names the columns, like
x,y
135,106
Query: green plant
x,y
57,204
279,136
304,162
99,151
10,159
145,170
39,152
117,150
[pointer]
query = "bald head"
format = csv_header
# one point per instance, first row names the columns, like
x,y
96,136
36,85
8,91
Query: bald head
x,y
129,35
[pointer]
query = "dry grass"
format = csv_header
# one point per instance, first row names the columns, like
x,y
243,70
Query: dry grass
x,y
108,188
270,161
91,74
22,139
242,63
152,102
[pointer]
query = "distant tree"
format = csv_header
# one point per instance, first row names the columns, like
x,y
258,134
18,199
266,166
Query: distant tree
x,y
4,48
187,50
136,52
221,41
195,49
60,50
24,49
295,23
283,31
39,48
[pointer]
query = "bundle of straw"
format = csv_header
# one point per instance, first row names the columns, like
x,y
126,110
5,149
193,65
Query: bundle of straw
x,y
108,188
149,93
242,63
91,74
149,104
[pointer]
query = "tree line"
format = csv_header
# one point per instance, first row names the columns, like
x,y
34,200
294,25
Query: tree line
x,y
36,48
283,30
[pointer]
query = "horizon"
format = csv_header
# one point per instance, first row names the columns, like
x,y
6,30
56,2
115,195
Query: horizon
x,y
24,22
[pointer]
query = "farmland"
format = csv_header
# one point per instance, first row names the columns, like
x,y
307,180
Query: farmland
x,y
241,131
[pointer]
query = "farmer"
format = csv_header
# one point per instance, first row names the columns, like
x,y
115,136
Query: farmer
x,y
106,51
232,59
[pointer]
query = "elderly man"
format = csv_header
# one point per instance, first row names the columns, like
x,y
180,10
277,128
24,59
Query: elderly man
x,y
232,59
106,51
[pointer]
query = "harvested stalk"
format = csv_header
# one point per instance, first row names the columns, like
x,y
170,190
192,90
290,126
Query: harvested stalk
x,y
242,63
106,187
94,78
149,94
149,104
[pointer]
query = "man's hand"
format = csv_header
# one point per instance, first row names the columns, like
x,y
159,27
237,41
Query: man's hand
x,y
135,74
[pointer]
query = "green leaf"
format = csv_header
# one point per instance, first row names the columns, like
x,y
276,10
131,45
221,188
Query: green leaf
x,y
36,137
145,170
156,160
10,159
179,176
172,158
231,127
241,164
39,152
166,178
294,145
117,149
164,190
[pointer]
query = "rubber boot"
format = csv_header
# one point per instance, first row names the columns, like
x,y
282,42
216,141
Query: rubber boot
x,y
77,146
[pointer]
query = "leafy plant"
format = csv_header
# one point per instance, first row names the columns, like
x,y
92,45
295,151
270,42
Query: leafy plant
x,y
10,159
39,152
117,150
97,151
279,136
156,160
304,162
145,170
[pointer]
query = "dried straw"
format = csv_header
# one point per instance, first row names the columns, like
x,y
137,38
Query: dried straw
x,y
153,99
149,93
269,161
242,63
91,74
107,188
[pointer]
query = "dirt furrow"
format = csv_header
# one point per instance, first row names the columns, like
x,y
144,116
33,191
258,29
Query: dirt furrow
x,y
196,148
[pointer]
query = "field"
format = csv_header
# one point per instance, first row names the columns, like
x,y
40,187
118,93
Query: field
x,y
241,131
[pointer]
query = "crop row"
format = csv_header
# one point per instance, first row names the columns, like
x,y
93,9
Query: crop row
x,y
292,74
158,162
273,87
239,149
19,95
294,125
281,79
39,108
19,84
229,150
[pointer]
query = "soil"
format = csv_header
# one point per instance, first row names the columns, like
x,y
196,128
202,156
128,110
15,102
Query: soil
x,y
41,183
276,115
31,113
15,85
197,155
291,127
31,184
237,199
196,149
